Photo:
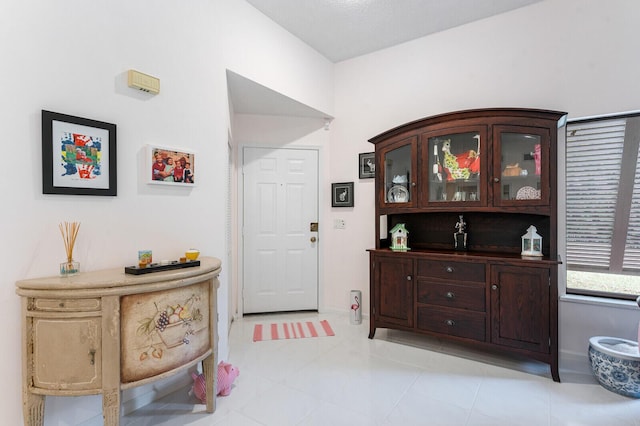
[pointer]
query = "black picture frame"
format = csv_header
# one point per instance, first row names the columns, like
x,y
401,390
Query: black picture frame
x,y
78,155
367,165
342,194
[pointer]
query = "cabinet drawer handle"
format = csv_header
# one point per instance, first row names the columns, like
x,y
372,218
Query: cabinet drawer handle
x,y
92,356
61,304
449,269
409,278
450,322
450,295
494,287
496,180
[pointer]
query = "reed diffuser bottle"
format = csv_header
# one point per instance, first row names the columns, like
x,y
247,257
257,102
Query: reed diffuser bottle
x,y
69,233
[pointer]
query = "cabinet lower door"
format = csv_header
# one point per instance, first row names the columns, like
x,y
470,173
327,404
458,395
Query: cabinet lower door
x,y
66,353
163,330
520,307
393,287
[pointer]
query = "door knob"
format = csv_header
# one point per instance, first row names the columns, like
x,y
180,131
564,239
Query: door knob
x,y
313,239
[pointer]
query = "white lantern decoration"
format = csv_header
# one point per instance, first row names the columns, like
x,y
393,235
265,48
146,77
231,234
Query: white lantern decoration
x,y
531,243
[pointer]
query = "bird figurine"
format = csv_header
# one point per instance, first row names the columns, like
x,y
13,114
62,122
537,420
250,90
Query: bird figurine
x,y
355,307
460,166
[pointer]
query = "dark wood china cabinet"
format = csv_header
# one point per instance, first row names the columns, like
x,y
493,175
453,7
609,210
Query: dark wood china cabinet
x,y
495,170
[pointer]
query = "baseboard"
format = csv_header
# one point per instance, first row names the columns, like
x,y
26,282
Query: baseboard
x,y
575,362
340,311
136,398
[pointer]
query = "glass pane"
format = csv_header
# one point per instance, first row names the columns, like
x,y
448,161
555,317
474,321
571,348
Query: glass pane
x,y
520,167
603,284
397,175
593,165
454,164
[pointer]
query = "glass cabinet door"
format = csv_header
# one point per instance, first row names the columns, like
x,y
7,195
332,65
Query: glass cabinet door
x,y
399,177
523,173
454,172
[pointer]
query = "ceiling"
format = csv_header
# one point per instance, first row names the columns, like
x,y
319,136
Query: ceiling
x,y
344,29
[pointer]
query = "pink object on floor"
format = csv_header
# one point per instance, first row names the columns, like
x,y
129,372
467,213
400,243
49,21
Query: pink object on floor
x,y
199,388
227,373
291,330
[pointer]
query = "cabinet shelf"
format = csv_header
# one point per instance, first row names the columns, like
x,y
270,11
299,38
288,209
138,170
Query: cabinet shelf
x,y
471,256
456,181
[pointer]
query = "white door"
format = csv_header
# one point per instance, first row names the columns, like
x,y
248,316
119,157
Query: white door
x,y
280,261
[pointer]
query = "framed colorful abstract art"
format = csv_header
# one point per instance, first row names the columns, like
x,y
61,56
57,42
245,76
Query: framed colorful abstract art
x,y
170,166
78,155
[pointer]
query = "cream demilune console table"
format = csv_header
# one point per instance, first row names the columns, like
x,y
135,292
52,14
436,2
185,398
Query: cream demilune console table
x,y
105,331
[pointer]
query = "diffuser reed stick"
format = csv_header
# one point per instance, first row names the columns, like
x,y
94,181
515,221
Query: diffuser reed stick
x,y
69,234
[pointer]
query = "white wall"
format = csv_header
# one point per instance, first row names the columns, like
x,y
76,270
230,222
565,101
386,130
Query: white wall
x,y
566,55
71,56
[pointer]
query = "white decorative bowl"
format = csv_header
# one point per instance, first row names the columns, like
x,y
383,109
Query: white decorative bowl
x,y
616,364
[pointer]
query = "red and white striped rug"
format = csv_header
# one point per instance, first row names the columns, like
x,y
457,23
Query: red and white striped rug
x,y
291,330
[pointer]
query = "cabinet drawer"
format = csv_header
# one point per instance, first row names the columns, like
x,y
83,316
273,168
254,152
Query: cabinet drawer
x,y
62,305
460,271
452,295
453,322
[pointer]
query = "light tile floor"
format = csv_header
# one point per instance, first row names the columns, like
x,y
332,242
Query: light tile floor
x,y
395,379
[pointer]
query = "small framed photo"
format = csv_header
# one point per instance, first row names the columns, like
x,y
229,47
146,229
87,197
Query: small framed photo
x,y
367,165
78,155
170,166
342,194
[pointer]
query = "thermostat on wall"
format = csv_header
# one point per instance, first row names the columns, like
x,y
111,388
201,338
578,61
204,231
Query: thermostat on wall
x,y
144,82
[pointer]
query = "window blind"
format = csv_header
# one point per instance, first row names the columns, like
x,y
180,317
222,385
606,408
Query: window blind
x,y
631,261
594,157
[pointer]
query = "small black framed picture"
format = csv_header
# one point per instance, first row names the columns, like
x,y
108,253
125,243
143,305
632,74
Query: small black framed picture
x,y
78,155
342,194
367,165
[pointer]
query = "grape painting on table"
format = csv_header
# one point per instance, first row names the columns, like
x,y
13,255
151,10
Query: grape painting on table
x,y
164,330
